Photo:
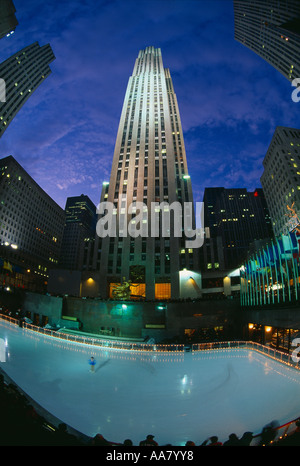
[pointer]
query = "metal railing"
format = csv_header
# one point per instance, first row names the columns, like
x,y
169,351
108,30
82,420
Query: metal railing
x,y
280,433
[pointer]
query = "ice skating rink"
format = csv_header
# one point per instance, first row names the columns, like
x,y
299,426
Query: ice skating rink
x,y
176,397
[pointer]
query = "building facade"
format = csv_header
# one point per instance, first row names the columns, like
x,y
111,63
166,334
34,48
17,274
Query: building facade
x,y
149,168
80,227
271,28
8,20
21,75
31,227
281,179
239,218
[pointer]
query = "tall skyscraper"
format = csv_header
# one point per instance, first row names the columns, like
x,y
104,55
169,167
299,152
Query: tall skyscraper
x,y
281,179
22,73
271,28
239,218
149,166
80,225
8,20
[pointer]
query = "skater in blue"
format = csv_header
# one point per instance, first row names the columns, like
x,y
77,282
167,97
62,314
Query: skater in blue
x,y
92,363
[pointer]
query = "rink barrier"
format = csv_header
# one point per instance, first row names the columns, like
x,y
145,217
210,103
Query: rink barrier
x,y
279,356
280,432
94,341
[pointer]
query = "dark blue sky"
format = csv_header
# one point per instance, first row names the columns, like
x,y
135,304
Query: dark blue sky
x,y
230,100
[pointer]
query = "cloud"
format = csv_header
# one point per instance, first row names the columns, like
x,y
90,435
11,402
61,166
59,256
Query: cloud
x,y
230,100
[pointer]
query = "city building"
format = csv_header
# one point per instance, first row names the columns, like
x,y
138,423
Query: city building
x,y
8,20
281,179
271,28
271,273
80,227
239,218
149,166
22,74
31,228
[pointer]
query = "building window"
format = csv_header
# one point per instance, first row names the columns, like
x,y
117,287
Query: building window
x,y
162,290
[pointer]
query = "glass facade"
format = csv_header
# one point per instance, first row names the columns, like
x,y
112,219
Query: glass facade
x,y
271,274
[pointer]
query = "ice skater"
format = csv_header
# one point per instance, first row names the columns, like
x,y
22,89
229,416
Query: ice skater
x,y
92,363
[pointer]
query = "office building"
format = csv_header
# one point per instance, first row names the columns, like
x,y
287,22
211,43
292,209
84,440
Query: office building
x,y
31,227
239,218
149,166
22,74
8,20
80,227
271,28
281,179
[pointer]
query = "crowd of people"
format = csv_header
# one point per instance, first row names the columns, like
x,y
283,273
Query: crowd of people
x,y
23,425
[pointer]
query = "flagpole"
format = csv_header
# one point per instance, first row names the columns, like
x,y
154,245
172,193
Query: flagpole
x,y
295,282
276,273
286,266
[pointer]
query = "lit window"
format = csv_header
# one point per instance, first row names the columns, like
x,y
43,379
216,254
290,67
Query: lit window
x,y
162,290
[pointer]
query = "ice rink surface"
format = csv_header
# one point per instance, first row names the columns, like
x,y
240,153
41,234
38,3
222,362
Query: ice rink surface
x,y
174,396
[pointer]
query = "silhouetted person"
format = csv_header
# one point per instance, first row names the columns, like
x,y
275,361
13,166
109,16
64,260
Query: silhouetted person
x,y
269,433
148,441
232,441
190,443
128,442
214,442
246,439
63,437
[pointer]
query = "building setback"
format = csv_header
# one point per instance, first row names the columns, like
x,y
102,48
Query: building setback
x,y
31,223
281,179
271,28
149,165
22,74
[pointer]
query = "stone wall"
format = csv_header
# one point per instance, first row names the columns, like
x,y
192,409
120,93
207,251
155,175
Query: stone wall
x,y
158,320
43,306
137,320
